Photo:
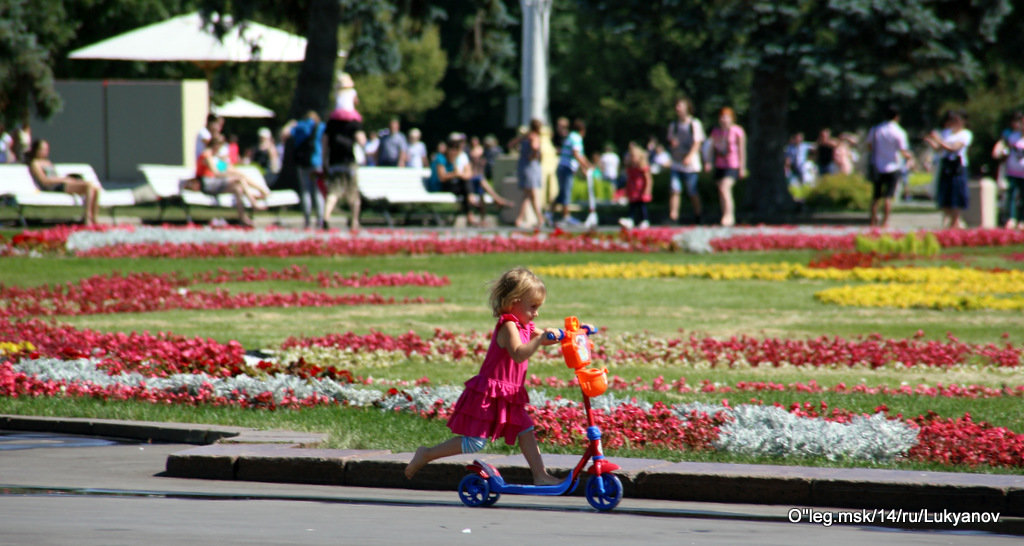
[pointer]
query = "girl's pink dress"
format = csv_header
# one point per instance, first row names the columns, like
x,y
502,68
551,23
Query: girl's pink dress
x,y
494,402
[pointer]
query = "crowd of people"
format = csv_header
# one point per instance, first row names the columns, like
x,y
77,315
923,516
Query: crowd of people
x,y
327,154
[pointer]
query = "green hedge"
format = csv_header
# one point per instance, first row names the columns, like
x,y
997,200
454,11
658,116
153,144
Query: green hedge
x,y
840,192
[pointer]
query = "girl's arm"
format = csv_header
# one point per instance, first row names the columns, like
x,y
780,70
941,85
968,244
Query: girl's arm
x,y
508,339
648,182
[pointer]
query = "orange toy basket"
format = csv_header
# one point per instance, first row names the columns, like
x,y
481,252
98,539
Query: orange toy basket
x,y
576,346
593,381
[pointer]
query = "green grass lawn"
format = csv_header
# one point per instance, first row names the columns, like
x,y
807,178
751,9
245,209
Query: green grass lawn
x,y
663,307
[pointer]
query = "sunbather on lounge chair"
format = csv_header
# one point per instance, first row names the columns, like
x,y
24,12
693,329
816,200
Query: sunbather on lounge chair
x,y
213,176
46,178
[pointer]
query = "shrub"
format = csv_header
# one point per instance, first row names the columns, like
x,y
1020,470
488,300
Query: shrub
x,y
840,191
909,244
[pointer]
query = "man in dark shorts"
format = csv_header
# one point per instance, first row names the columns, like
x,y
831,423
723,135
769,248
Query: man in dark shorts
x,y
340,167
887,142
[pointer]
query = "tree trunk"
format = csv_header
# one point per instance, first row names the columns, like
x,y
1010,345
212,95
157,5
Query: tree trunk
x,y
316,76
767,196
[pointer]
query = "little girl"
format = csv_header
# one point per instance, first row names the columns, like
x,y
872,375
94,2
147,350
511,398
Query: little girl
x,y
346,99
493,405
639,185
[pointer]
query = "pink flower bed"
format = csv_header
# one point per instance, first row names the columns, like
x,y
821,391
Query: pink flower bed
x,y
142,292
821,241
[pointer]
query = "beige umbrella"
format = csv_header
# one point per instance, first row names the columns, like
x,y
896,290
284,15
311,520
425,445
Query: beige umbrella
x,y
239,107
188,38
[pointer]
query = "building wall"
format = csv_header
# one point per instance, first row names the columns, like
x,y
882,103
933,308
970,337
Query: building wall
x,y
117,125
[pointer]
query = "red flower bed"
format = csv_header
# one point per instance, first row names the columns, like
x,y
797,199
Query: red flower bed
x,y
156,355
628,426
964,441
142,292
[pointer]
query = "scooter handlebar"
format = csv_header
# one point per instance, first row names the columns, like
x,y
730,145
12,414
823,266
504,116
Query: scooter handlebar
x,y
590,330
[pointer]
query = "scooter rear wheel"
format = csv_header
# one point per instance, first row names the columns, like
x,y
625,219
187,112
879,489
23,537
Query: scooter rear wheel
x,y
475,491
611,495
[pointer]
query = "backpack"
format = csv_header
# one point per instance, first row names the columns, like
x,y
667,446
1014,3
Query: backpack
x,y
304,153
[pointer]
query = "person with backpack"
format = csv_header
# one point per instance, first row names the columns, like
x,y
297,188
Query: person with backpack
x,y
306,137
685,137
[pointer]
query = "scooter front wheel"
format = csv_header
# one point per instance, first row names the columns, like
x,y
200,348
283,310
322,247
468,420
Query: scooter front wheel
x,y
475,491
604,492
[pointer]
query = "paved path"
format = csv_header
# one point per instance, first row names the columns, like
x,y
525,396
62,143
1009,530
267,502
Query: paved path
x,y
68,490
245,455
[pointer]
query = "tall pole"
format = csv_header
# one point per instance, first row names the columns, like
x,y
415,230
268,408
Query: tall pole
x,y
534,91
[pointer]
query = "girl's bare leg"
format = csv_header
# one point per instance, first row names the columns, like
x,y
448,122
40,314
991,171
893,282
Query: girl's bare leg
x,y
528,445
725,194
423,455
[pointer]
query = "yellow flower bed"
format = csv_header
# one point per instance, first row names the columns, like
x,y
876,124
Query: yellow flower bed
x,y
10,348
927,287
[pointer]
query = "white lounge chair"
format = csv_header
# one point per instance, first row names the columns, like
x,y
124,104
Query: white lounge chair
x,y
164,185
19,190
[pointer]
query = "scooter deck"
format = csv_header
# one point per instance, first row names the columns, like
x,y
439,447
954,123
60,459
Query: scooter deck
x,y
498,485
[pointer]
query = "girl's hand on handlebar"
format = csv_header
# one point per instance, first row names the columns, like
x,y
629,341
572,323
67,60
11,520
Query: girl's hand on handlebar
x,y
551,336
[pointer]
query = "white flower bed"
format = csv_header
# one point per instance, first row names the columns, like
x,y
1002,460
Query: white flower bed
x,y
770,431
699,239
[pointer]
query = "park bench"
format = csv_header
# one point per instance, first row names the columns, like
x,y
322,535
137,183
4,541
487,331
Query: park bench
x,y
403,188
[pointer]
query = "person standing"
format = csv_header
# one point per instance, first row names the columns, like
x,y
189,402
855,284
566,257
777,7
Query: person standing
x,y
570,160
306,137
6,146
639,185
685,137
393,148
796,160
952,143
825,152
1010,149
528,172
339,165
729,150
887,142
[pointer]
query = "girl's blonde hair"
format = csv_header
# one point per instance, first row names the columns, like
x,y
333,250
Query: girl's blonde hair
x,y
514,285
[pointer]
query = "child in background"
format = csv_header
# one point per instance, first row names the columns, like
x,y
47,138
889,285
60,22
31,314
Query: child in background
x,y
639,187
493,405
345,99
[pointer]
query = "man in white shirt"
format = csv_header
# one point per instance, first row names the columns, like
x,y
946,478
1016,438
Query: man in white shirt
x,y
610,164
887,144
685,137
214,125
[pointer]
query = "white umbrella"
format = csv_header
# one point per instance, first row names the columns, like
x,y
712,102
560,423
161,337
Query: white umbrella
x,y
186,38
242,108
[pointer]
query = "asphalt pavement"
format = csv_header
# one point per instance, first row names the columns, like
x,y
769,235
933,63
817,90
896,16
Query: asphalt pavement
x,y
233,455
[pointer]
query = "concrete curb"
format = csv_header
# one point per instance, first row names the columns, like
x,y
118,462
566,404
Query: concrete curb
x,y
235,453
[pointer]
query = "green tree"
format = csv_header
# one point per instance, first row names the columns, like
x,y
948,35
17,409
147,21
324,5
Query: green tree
x,y
841,57
29,36
411,91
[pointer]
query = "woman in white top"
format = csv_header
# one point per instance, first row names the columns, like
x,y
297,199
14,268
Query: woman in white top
x,y
951,144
